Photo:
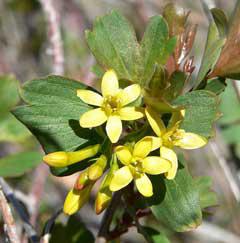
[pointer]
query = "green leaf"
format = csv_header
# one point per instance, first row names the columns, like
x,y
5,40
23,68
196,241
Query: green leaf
x,y
18,164
113,42
201,111
208,198
176,202
216,85
53,116
153,236
8,93
155,46
211,54
231,134
229,106
73,232
221,20
11,130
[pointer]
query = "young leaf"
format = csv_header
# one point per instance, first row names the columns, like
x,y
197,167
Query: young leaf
x,y
211,54
228,64
176,18
221,20
201,111
18,164
113,42
176,202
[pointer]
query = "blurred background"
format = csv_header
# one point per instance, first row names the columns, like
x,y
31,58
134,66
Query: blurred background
x,y
26,53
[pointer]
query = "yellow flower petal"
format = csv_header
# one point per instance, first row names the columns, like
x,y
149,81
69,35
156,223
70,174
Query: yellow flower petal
x,y
90,97
144,185
130,93
114,128
93,118
142,148
123,154
170,155
131,113
110,85
191,141
155,165
155,121
156,142
121,178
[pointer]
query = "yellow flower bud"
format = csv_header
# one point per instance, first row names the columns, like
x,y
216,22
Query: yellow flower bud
x,y
103,199
76,199
96,170
82,180
61,159
57,159
104,194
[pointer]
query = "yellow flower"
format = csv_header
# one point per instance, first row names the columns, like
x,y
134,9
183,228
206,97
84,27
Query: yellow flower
x,y
112,106
170,136
76,199
137,165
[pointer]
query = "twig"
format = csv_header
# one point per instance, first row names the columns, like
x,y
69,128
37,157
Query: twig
x,y
37,189
54,36
30,231
8,219
107,218
48,227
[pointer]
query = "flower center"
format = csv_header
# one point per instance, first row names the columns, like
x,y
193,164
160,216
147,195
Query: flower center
x,y
136,166
111,104
171,137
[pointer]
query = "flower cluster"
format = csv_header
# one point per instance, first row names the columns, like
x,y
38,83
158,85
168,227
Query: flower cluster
x,y
130,161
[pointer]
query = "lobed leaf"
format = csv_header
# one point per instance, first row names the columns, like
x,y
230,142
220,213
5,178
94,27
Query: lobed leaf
x,y
53,116
201,111
176,202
